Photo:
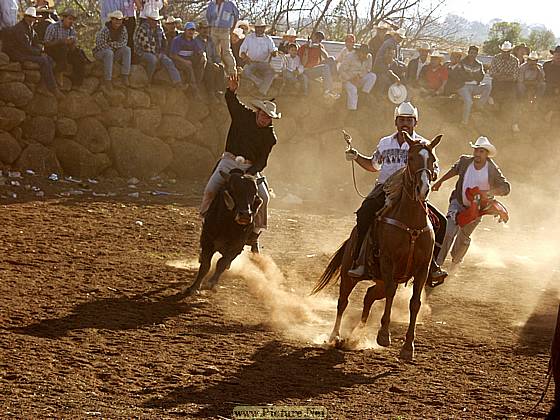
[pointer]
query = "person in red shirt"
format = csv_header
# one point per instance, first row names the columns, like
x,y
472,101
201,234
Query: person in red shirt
x,y
434,76
317,62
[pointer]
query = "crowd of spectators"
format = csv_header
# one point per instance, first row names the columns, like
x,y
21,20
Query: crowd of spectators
x,y
200,55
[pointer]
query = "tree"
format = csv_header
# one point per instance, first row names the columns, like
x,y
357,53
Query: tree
x,y
500,32
541,39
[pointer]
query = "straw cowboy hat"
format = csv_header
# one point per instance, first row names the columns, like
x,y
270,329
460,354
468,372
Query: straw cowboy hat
x,y
117,14
483,143
291,32
242,23
533,56
239,32
154,15
268,107
31,11
506,46
436,54
259,23
397,93
424,46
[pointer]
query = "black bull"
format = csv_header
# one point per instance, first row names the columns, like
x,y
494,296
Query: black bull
x,y
227,226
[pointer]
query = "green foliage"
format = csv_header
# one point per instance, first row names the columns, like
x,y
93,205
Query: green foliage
x,y
500,32
541,40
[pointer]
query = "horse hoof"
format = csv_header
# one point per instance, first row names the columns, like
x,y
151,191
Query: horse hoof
x,y
406,354
383,339
192,291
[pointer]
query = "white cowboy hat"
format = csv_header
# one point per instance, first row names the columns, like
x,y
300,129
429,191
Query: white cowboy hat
x,y
406,109
268,107
31,11
259,22
291,32
424,46
242,23
533,55
239,32
436,54
483,143
397,93
154,14
117,14
400,32
506,46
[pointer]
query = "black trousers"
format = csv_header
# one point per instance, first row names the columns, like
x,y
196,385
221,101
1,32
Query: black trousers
x,y
63,56
373,203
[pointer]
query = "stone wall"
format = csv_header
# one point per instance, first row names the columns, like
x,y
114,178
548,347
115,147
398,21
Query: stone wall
x,y
139,131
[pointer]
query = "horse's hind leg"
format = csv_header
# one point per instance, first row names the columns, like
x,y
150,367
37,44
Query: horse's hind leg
x,y
347,284
375,292
205,262
407,351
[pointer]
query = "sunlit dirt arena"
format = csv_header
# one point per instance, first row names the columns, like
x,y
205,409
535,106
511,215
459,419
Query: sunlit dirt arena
x,y
94,325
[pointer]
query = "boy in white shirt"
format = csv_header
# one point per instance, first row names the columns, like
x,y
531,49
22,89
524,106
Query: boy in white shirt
x,y
292,69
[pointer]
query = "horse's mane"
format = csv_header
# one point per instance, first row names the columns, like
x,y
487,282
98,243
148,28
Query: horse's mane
x,y
393,189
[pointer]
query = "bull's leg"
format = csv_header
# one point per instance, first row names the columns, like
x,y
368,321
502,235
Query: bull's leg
x,y
347,284
205,262
407,351
383,335
221,266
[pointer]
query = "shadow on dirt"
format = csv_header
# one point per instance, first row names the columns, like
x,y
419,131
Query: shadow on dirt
x,y
120,313
277,372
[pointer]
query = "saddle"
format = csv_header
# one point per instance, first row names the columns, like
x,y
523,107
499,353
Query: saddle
x,y
481,205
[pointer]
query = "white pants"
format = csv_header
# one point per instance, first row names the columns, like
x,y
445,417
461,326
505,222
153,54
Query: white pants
x,y
366,83
217,181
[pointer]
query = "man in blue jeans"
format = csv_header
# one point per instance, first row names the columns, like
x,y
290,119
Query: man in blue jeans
x,y
150,46
110,46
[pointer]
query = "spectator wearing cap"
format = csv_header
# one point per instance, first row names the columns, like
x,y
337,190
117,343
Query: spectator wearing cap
x,y
531,77
433,77
110,46
551,70
21,44
470,74
356,74
46,14
237,37
214,71
349,43
222,17
292,69
504,70
128,9
381,35
317,62
61,43
415,66
288,38
150,46
256,51
188,56
392,42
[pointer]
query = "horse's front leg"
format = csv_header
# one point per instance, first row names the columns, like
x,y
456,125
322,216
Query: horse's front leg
x,y
383,335
407,351
347,284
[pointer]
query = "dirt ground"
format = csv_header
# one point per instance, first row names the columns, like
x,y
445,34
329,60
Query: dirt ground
x,y
93,322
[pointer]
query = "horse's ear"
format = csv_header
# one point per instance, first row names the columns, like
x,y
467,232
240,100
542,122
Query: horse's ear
x,y
228,200
435,142
225,175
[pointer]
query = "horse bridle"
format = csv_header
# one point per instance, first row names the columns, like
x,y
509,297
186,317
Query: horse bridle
x,y
413,180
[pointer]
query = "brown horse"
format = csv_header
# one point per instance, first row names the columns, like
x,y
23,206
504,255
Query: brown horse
x,y
406,241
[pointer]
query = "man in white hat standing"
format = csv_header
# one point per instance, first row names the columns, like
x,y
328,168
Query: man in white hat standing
x,y
504,70
476,170
222,16
391,155
249,142
150,45
256,51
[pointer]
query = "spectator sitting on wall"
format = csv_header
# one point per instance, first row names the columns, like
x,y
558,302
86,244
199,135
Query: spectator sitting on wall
x,y
110,46
433,77
170,30
21,44
256,51
317,63
214,71
388,71
415,66
381,35
531,78
188,56
349,43
128,9
61,43
292,69
504,70
454,82
150,45
356,75
287,39
551,70
237,37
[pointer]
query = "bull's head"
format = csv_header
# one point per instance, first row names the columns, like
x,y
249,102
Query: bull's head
x,y
240,196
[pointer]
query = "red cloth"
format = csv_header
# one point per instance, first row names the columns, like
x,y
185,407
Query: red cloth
x,y
480,206
313,54
435,78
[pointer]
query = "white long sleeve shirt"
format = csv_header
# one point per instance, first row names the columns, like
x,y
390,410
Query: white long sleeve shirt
x,y
258,48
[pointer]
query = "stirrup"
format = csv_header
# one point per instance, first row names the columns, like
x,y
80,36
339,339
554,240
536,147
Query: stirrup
x,y
358,271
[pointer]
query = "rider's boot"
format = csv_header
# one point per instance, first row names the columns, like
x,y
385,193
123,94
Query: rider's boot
x,y
359,265
253,241
437,275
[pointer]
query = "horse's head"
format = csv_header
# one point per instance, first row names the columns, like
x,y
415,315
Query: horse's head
x,y
240,196
421,166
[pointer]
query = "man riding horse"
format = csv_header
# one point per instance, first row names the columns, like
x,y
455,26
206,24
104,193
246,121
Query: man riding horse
x,y
389,157
249,142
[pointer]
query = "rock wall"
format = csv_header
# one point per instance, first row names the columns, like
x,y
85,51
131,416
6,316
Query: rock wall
x,y
139,131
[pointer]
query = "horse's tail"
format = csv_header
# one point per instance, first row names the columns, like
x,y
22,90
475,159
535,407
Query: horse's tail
x,y
332,269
